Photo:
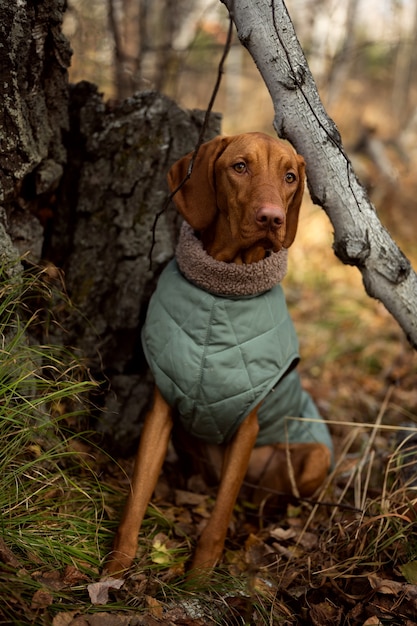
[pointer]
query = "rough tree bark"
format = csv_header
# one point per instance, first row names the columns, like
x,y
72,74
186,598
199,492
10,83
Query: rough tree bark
x,y
265,29
33,116
80,186
113,186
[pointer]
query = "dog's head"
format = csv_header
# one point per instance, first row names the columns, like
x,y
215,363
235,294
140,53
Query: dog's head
x,y
243,196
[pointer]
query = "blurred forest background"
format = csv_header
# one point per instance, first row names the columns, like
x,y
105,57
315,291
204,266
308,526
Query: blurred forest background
x,y
361,53
362,56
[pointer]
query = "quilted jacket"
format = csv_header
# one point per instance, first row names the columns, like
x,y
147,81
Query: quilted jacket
x,y
216,357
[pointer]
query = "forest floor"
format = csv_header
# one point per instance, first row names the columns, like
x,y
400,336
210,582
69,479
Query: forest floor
x,y
348,556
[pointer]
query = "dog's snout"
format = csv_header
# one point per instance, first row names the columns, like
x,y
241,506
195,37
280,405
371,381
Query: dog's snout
x,y
270,217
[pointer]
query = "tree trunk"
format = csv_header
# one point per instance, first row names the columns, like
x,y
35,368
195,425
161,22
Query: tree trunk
x,y
342,63
266,30
80,186
405,71
33,116
112,188
125,26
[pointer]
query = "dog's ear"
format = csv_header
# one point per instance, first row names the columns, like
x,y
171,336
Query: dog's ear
x,y
196,200
294,207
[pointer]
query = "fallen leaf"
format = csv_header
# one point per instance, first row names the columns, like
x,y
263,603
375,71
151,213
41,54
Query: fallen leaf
x,y
72,576
291,552
64,619
308,540
411,591
99,592
7,556
252,540
80,620
258,553
305,539
385,586
155,607
184,517
106,619
203,509
264,586
35,449
325,614
51,579
41,599
188,497
409,571
283,534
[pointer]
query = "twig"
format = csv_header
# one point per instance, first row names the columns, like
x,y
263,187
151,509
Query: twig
x,y
366,456
200,140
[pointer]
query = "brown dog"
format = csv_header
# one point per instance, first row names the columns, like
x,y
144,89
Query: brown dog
x,y
241,204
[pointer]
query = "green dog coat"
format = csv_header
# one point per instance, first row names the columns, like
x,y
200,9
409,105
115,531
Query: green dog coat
x,y
216,356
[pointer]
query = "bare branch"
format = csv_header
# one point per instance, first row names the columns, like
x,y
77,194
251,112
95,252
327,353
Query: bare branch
x,y
265,29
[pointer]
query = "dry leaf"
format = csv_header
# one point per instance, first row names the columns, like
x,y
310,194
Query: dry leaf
x,y
64,619
409,571
385,586
106,619
325,614
80,620
291,552
7,556
283,534
155,607
305,539
308,540
252,540
73,576
188,497
203,509
99,592
41,599
51,579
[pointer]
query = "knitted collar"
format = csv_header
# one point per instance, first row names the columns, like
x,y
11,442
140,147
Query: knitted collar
x,y
227,279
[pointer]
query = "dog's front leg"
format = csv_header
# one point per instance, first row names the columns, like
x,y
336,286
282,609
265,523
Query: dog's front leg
x,y
210,545
148,463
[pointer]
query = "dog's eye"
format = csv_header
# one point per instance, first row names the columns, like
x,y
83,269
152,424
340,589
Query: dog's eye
x,y
290,177
239,167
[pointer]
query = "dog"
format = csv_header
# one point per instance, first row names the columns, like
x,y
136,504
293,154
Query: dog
x,y
220,342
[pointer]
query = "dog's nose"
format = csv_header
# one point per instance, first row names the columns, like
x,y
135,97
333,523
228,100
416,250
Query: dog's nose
x,y
270,217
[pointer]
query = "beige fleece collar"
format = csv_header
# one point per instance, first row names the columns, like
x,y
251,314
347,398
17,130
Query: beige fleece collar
x,y
227,279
